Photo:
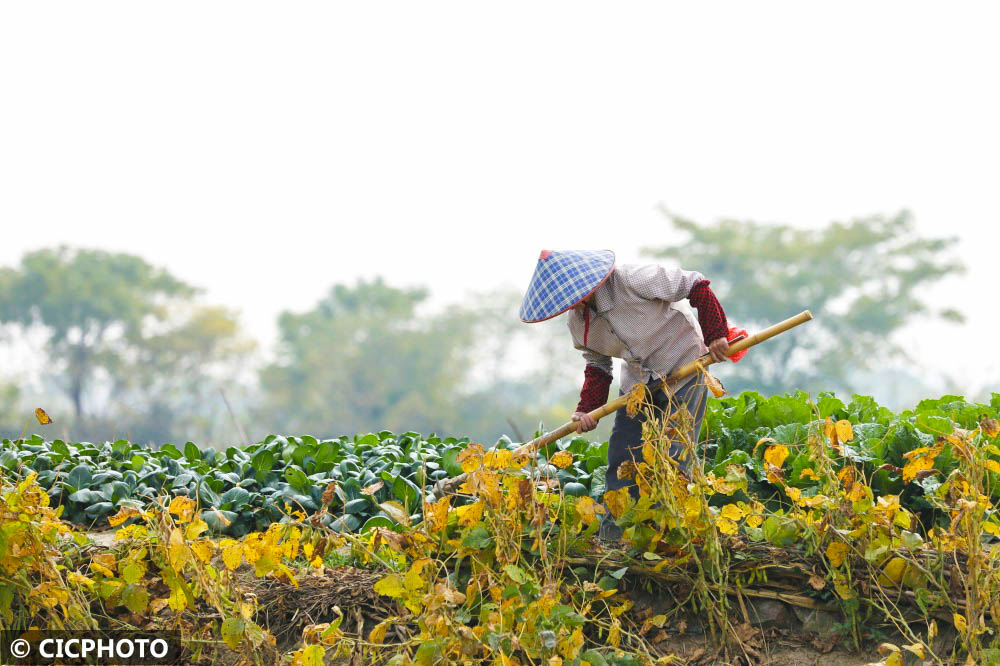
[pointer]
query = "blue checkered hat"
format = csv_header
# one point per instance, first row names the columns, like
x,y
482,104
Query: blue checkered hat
x,y
562,279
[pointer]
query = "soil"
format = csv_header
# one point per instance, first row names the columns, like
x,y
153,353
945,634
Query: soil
x,y
776,651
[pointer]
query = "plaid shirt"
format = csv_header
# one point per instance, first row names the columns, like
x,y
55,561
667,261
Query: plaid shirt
x,y
633,319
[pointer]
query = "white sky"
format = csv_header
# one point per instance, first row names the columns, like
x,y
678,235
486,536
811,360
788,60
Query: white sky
x,y
268,150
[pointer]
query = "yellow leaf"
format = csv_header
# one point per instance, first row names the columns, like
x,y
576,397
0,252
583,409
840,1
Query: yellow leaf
x,y
436,514
104,563
177,600
858,492
42,417
895,659
843,590
470,458
627,470
893,570
726,526
570,646
714,385
835,552
313,655
794,494
123,514
959,621
776,455
396,511
195,529
756,520
916,648
648,452
183,508
470,514
391,586
588,509
732,512
618,502
615,633
915,466
497,459
413,580
232,554
991,528
636,399
991,427
993,466
202,549
377,634
844,431
562,459
807,473
79,579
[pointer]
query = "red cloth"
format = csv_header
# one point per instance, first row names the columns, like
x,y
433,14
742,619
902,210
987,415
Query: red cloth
x,y
711,316
734,333
596,384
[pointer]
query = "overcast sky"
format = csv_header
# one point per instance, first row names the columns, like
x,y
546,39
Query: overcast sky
x,y
265,151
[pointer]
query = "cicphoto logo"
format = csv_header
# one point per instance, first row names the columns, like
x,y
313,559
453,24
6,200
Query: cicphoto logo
x,y
67,647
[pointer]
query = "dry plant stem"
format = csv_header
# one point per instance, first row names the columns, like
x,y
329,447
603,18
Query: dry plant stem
x,y
448,486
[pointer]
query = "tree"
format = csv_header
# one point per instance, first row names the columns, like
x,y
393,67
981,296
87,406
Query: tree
x,y
116,329
170,386
863,280
362,360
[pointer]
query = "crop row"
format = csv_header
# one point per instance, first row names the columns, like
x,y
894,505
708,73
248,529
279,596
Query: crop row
x,y
247,488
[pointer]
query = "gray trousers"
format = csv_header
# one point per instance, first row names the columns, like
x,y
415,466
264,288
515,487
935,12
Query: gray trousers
x,y
626,435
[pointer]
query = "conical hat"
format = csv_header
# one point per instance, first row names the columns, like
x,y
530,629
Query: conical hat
x,y
562,279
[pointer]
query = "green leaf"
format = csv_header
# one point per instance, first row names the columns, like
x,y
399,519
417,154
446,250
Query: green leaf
x,y
232,631
132,573
594,658
357,506
263,463
98,510
378,521
170,451
192,452
215,522
235,499
516,574
478,537
297,479
406,491
88,497
135,598
60,447
79,477
449,462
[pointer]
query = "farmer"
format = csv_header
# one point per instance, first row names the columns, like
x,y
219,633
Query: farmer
x,y
628,312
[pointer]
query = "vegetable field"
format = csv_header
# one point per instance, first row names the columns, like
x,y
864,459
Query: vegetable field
x,y
300,550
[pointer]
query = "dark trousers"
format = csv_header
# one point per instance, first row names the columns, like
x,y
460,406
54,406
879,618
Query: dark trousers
x,y
626,435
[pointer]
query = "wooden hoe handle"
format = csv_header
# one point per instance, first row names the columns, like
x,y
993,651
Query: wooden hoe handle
x,y
447,486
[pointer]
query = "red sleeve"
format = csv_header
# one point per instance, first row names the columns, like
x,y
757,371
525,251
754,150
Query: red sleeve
x,y
710,313
594,393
